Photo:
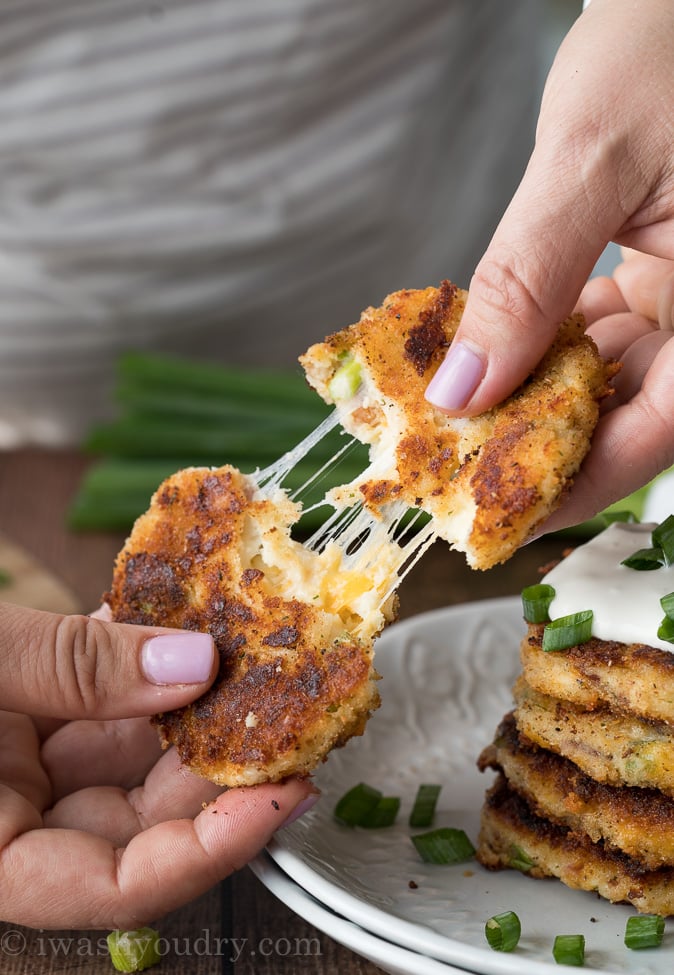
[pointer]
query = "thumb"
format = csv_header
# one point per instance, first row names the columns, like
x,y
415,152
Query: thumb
x,y
527,283
82,667
579,187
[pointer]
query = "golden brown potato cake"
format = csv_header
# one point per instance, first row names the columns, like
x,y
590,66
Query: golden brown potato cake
x,y
487,481
639,822
511,835
628,678
612,748
294,628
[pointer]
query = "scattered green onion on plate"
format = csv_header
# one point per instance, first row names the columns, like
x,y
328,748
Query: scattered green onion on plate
x,y
444,846
569,949
503,931
644,931
423,809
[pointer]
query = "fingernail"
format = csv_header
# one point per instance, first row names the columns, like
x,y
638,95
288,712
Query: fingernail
x,y
178,658
301,808
456,379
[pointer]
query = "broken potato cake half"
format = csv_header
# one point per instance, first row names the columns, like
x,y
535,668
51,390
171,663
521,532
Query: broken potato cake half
x,y
487,481
294,627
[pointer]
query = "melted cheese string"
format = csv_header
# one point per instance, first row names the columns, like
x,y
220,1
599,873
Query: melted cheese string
x,y
366,541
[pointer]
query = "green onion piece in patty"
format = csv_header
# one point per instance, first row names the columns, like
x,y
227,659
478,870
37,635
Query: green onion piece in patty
x,y
443,846
345,381
644,931
568,631
569,949
423,809
645,559
663,538
134,951
382,815
503,931
356,804
519,860
536,602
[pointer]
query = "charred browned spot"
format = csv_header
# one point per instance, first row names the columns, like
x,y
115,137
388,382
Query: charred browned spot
x,y
285,636
251,575
168,495
430,335
150,588
377,491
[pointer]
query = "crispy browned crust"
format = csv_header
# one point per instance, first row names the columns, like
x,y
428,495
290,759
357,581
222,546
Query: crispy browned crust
x,y
609,747
628,678
638,822
490,481
288,689
512,835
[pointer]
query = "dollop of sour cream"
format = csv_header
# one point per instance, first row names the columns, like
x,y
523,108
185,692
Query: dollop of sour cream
x,y
625,602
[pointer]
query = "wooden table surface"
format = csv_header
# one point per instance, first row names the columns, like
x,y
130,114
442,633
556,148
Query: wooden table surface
x,y
36,488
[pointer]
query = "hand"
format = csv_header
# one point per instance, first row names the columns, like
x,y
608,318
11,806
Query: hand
x,y
602,169
98,827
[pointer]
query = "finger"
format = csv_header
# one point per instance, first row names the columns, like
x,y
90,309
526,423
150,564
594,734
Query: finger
x,y
20,767
169,792
631,445
600,297
89,753
637,362
615,334
641,280
68,878
79,667
665,308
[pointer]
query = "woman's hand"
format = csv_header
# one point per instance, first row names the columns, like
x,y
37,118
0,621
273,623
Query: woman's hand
x,y
602,169
98,827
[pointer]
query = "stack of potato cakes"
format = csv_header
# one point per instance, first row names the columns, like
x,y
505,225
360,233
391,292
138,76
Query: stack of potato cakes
x,y
585,761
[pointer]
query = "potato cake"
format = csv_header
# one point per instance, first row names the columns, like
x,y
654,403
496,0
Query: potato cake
x,y
636,821
294,628
488,481
511,835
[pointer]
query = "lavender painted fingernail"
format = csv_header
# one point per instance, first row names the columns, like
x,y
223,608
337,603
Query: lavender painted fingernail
x,y
178,658
456,379
301,808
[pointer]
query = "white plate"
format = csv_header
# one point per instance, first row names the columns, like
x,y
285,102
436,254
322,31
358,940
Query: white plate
x,y
446,684
389,957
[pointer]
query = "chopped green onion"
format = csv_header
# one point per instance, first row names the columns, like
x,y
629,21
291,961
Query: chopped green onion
x,y
134,951
666,630
423,809
663,538
645,559
503,931
5,578
382,814
568,631
609,517
345,381
536,602
667,603
519,860
446,845
569,949
644,931
356,804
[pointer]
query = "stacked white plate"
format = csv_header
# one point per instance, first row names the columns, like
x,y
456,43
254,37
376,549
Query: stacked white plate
x,y
446,680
